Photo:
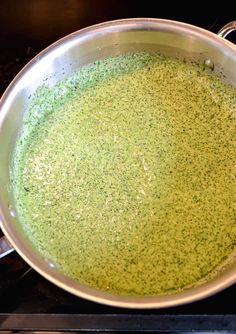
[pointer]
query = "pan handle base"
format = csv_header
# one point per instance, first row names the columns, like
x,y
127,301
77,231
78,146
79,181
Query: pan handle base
x,y
5,247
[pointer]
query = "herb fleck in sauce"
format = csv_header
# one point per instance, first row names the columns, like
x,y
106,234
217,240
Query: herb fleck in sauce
x,y
125,174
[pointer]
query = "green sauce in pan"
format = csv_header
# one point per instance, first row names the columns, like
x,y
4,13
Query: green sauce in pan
x,y
124,174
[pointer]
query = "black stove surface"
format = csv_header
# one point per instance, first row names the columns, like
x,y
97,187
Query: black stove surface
x,y
28,302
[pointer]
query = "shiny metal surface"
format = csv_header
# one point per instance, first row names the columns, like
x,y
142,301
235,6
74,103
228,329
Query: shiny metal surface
x,y
227,29
64,58
5,247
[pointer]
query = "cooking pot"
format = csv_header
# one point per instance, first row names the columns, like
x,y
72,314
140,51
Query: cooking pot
x,y
62,59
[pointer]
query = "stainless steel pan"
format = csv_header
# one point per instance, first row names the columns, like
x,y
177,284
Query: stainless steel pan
x,y
64,58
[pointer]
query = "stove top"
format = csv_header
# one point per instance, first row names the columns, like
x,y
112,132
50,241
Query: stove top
x,y
28,302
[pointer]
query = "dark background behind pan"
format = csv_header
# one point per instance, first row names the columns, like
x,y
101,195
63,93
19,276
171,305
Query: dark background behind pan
x,y
41,22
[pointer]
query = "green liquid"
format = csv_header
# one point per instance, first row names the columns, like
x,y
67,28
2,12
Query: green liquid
x,y
125,174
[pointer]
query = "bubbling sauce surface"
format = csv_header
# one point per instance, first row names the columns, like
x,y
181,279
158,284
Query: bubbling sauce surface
x,y
124,174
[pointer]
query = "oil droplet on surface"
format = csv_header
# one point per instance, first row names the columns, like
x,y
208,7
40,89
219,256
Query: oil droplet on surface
x,y
209,63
